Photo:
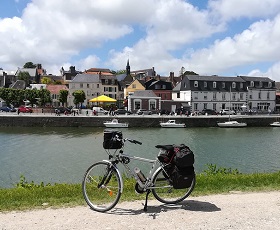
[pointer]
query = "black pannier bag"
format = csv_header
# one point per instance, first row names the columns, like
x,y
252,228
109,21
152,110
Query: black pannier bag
x,y
112,139
182,177
184,157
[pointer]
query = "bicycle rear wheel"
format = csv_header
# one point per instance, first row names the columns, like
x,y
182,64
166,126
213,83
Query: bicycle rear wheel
x,y
101,186
164,192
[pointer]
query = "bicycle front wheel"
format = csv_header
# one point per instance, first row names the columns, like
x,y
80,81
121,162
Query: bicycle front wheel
x,y
164,192
101,186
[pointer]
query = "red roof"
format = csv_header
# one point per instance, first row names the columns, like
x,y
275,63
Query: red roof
x,y
54,89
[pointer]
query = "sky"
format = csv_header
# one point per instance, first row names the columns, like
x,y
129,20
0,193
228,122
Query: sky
x,y
214,37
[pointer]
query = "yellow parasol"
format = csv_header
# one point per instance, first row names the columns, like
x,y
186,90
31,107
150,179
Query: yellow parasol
x,y
102,98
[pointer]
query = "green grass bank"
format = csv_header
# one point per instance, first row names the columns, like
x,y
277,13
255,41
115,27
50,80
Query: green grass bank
x,y
27,196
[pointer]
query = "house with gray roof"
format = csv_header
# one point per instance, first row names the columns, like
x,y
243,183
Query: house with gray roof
x,y
144,99
94,85
218,92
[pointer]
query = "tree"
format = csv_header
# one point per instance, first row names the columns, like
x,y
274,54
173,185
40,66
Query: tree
x,y
29,65
79,97
25,76
63,94
44,96
46,80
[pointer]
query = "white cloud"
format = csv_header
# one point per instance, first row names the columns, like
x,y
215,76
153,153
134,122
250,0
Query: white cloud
x,y
173,34
235,9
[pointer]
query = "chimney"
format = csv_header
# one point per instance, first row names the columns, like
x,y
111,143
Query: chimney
x,y
72,69
171,76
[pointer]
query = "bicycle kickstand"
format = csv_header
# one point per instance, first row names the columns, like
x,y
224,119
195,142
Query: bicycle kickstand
x,y
146,202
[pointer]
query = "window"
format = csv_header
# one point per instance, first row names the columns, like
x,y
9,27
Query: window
x,y
205,96
214,85
152,104
214,96
269,84
87,85
137,104
164,87
241,85
195,95
133,86
268,95
113,82
233,85
205,105
261,84
223,85
81,85
241,96
214,106
178,95
260,95
195,106
233,96
224,96
205,84
157,86
252,84
97,86
106,89
195,84
106,81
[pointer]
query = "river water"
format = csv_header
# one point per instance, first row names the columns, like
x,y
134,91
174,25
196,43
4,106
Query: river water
x,y
61,155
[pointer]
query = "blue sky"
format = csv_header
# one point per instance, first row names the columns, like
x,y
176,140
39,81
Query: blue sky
x,y
221,37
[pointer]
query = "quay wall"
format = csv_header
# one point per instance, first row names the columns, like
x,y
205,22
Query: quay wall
x,y
25,120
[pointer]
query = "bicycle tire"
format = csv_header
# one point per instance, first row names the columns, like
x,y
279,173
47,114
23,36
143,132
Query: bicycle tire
x,y
164,192
101,187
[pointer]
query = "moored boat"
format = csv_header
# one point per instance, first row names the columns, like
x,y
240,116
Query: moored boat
x,y
115,124
275,124
172,124
232,124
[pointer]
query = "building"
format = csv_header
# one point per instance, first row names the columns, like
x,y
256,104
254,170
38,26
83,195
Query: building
x,y
217,93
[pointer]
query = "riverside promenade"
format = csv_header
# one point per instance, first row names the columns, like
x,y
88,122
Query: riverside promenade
x,y
41,119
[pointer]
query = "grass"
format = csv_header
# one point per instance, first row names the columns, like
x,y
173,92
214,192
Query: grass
x,y
27,196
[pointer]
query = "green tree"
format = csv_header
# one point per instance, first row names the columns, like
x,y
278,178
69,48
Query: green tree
x,y
79,97
29,65
44,96
25,76
46,80
63,94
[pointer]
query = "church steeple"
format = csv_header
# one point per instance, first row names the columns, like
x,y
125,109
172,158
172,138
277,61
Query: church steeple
x,y
127,68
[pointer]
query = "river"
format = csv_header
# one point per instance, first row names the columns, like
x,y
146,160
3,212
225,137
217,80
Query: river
x,y
62,154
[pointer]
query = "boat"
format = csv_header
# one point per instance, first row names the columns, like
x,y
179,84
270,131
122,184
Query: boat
x,y
232,124
172,124
115,124
275,124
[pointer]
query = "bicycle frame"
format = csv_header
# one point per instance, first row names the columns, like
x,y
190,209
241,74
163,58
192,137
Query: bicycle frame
x,y
149,178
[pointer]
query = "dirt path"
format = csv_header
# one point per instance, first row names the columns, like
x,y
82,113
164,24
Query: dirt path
x,y
234,211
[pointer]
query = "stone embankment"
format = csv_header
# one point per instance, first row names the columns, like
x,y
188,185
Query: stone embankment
x,y
87,120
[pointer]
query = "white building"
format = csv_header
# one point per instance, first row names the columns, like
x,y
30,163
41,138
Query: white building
x,y
217,93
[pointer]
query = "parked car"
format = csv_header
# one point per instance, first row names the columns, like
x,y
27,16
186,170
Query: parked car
x,y
227,112
208,112
7,109
99,110
60,110
23,109
144,111
122,111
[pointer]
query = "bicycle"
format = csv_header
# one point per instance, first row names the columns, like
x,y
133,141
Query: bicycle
x,y
103,183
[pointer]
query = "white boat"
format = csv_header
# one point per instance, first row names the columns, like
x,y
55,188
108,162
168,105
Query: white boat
x,y
115,124
172,124
275,124
232,124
